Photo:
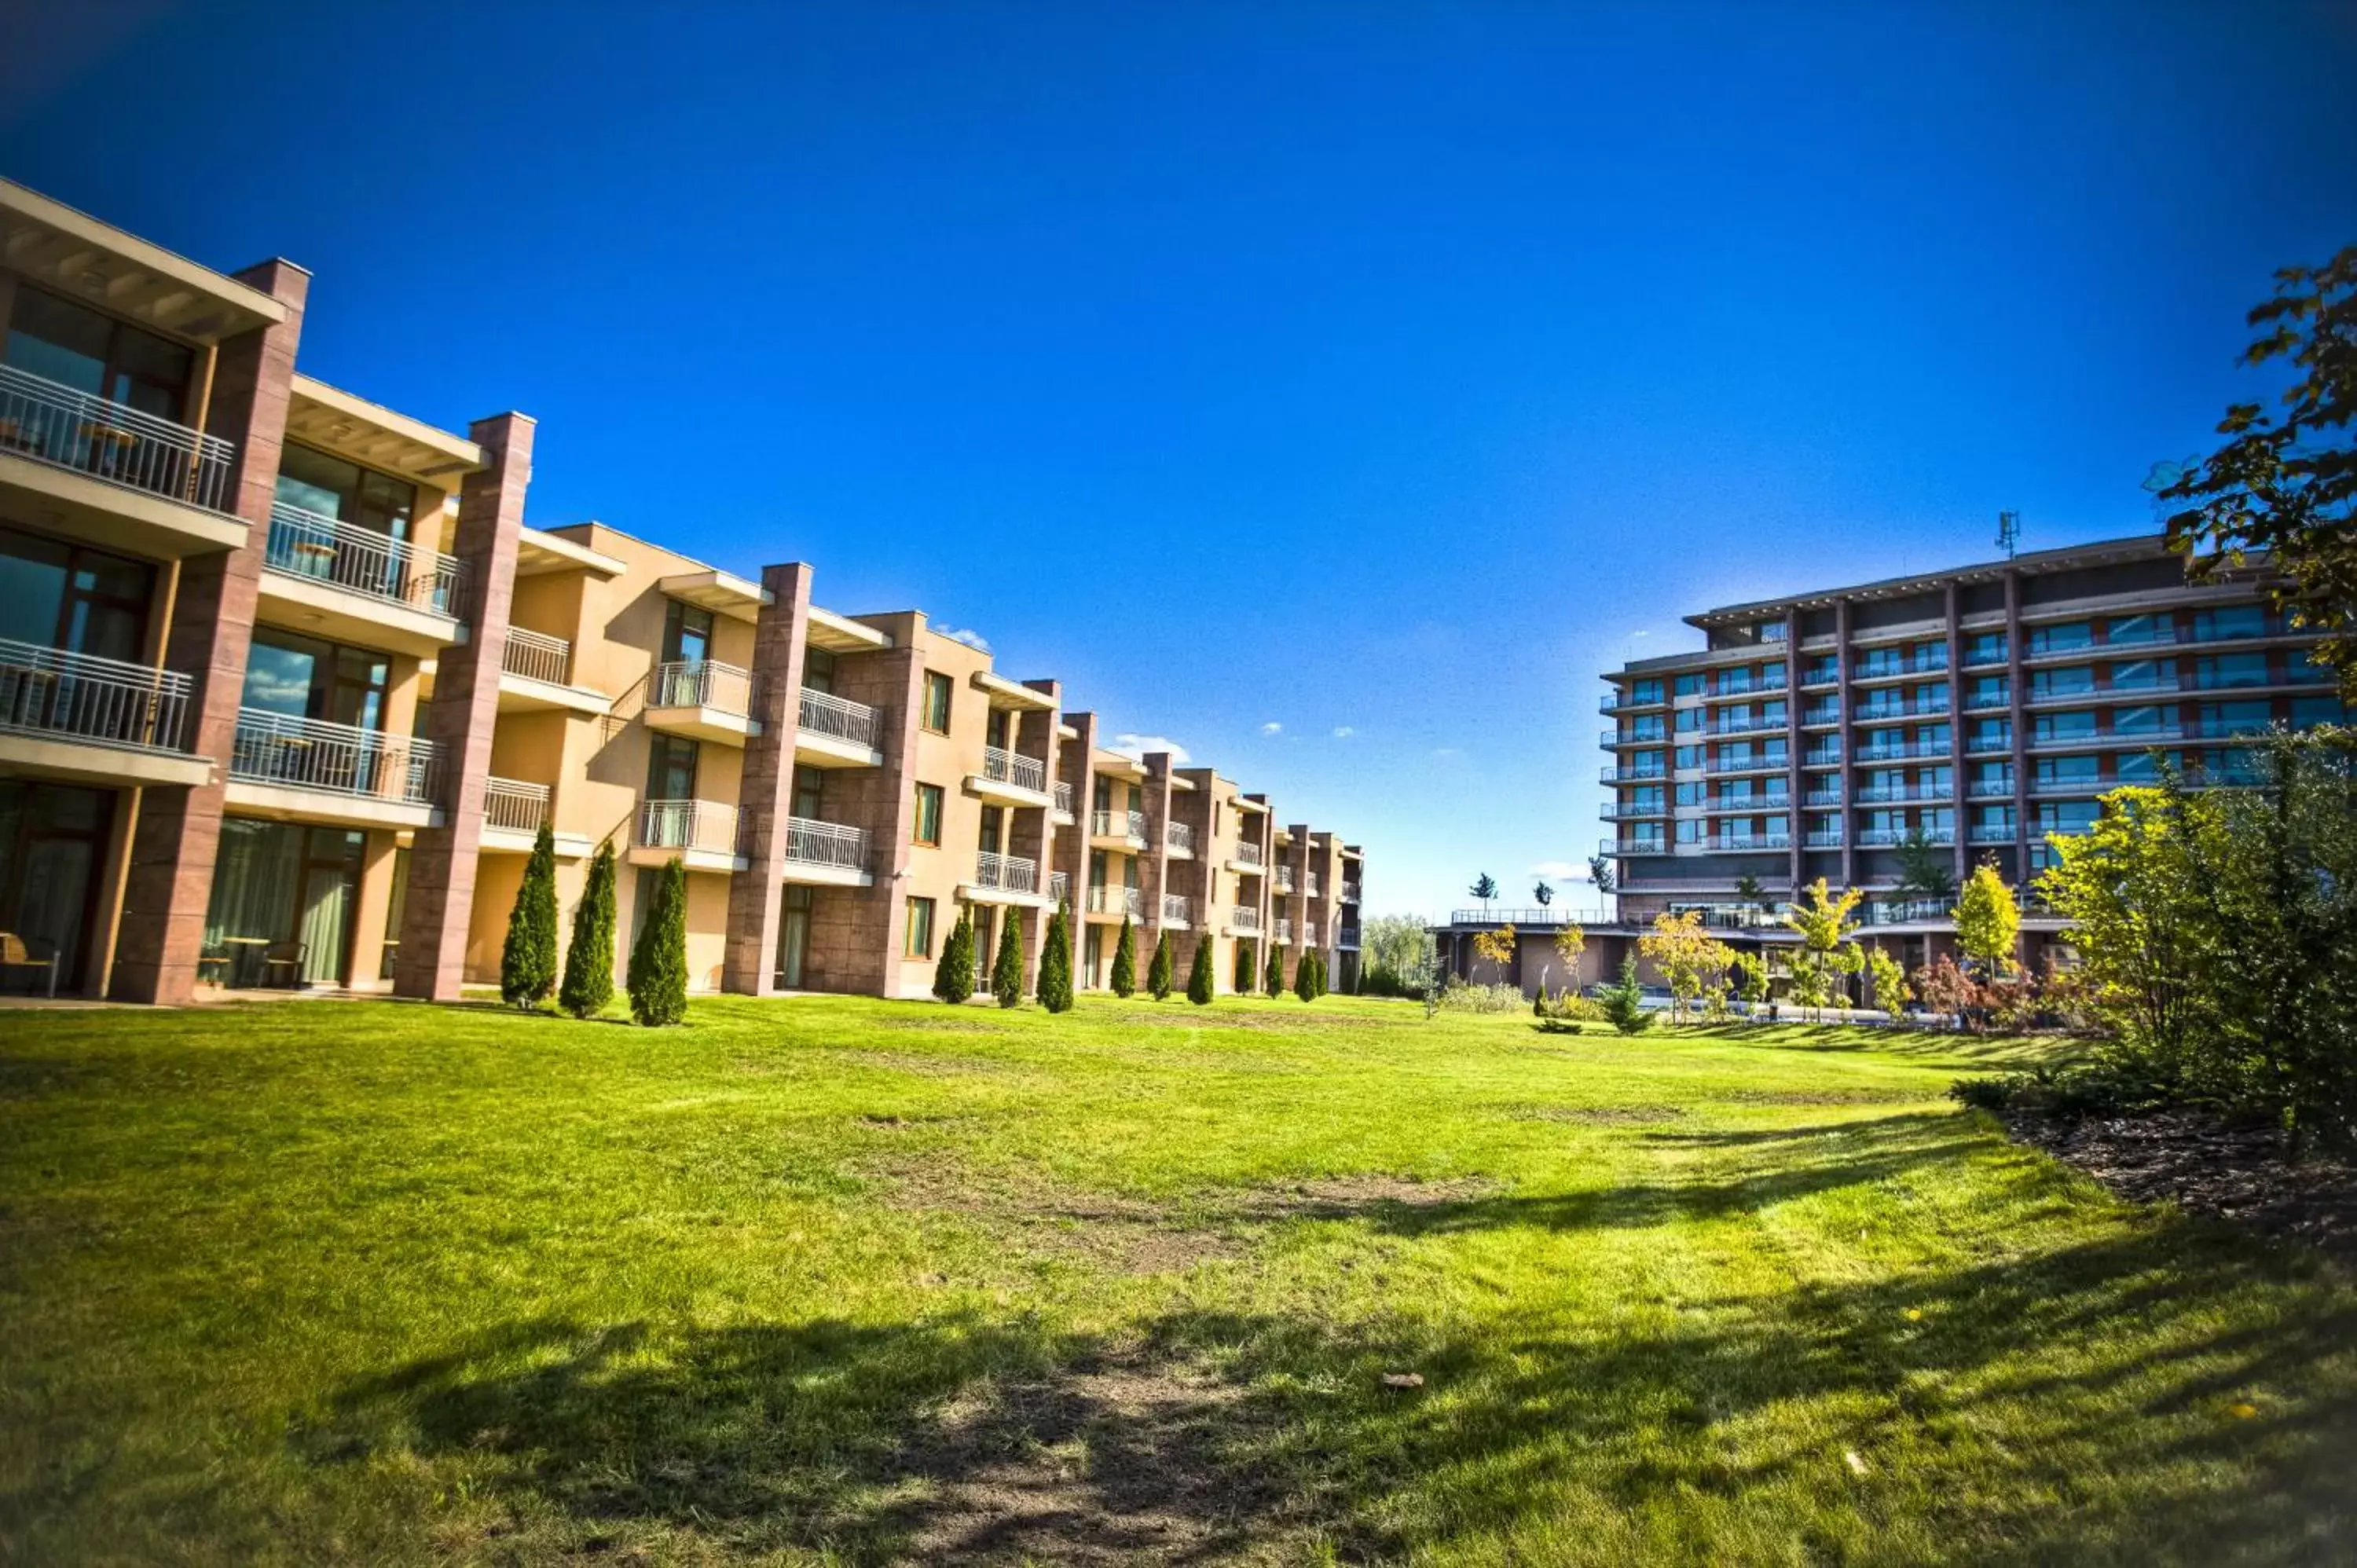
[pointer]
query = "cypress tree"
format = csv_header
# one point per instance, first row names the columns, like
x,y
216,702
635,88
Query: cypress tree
x,y
1007,973
1305,977
589,962
1273,980
1198,974
1056,964
1318,971
528,962
1163,970
1247,970
658,978
1124,962
954,974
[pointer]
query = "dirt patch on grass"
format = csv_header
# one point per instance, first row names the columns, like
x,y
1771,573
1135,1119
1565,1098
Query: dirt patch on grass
x,y
951,1025
1824,1097
1114,1233
2206,1167
1598,1115
917,1062
1342,1198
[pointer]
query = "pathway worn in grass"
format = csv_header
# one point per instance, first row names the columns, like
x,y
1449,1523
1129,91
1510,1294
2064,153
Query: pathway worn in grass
x,y
860,1281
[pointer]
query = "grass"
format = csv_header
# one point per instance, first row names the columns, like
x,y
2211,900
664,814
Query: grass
x,y
848,1280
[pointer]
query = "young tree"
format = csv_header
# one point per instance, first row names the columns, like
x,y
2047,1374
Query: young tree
x,y
1485,887
1247,967
528,960
2288,487
1947,990
1751,978
1923,866
1822,920
589,961
1319,972
1570,941
1599,872
1497,947
1886,982
1274,982
1689,959
1542,891
658,977
1056,962
1305,980
1006,971
954,974
1198,973
1397,945
1162,973
1988,922
1124,962
1624,1004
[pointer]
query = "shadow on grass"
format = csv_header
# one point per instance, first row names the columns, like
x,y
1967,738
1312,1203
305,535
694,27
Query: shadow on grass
x,y
2102,1373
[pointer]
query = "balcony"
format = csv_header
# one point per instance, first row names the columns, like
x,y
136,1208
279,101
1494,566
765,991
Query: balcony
x,y
112,475
1981,658
1898,669
1176,910
1987,701
98,721
1004,879
1887,838
1060,886
1905,750
311,771
1346,937
1921,708
1063,793
701,699
1729,687
826,853
702,834
1654,734
1011,779
1633,775
1627,847
1310,886
1310,933
1818,799
1822,838
358,585
1127,827
836,732
1285,880
1823,717
1908,912
1247,858
1988,745
1281,932
1623,702
1178,838
1745,726
536,676
1243,920
1899,794
1827,673
1746,765
1738,844
1991,832
512,813
1348,893
1989,789
1116,903
1729,805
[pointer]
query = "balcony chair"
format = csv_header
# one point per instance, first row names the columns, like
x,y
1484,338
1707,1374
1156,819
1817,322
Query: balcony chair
x,y
14,954
287,956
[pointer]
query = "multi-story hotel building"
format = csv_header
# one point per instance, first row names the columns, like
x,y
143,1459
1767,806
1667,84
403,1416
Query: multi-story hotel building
x,y
288,687
1976,711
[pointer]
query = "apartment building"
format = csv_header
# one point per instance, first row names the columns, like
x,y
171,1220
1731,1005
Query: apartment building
x,y
288,687
1974,711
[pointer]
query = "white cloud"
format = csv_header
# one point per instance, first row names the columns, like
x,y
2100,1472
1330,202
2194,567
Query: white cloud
x,y
1343,732
1135,747
1560,870
1446,751
972,640
1272,727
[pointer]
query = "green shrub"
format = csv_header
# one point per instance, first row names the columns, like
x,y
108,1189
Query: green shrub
x,y
1198,973
1163,973
1247,966
1460,995
1305,978
1983,1093
1056,962
589,961
1124,962
1273,982
658,979
953,972
1007,973
528,960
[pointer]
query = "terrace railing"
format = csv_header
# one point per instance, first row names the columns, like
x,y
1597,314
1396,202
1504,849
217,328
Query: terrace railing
x,y
361,561
813,842
838,718
339,759
705,827
79,696
701,683
514,805
1003,767
1007,872
536,656
57,425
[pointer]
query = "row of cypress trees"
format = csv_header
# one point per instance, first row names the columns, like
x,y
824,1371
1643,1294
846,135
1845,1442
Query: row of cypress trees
x,y
657,981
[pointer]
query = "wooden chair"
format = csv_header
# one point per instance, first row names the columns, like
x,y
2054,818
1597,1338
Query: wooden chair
x,y
287,955
14,954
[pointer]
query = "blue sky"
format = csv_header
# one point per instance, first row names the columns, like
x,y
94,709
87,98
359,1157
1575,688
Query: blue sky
x,y
1333,389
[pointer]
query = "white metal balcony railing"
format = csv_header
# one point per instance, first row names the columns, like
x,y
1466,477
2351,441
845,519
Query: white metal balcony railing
x,y
1726,804
697,827
1008,873
1063,797
1310,888
1822,838
1060,886
1310,933
1886,838
1906,912
813,842
1248,854
838,718
1130,825
1746,765
1737,841
1243,917
1757,725
536,656
1348,893
342,759
48,691
1635,846
1105,899
1992,833
514,805
1174,907
361,561
1180,836
701,683
1003,767
47,419
1900,794
1283,934
1632,775
1285,879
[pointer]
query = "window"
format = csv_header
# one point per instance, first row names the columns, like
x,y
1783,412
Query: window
x,y
78,348
818,669
2064,638
2070,680
1771,631
2235,719
1688,757
1689,831
2069,771
1690,720
2127,630
304,677
2143,721
329,486
62,595
671,769
929,814
936,713
2306,713
2234,669
2076,723
918,940
1645,692
2146,767
1985,648
2237,620
687,634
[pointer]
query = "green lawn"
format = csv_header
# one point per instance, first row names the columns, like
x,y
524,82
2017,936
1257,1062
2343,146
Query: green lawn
x,y
852,1281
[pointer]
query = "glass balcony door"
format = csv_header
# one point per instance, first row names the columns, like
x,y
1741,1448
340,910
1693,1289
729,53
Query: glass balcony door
x,y
52,841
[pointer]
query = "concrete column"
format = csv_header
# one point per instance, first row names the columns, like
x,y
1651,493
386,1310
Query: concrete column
x,y
440,900
1031,833
855,937
1961,767
170,880
1848,736
748,965
1154,870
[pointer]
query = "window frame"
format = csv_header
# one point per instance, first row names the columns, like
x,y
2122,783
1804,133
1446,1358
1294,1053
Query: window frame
x,y
917,912
938,691
917,822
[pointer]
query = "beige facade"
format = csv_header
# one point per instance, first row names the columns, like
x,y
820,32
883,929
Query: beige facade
x,y
291,686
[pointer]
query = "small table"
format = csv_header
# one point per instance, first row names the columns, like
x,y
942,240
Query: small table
x,y
242,961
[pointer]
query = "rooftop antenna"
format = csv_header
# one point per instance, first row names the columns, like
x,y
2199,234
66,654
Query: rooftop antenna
x,y
2009,532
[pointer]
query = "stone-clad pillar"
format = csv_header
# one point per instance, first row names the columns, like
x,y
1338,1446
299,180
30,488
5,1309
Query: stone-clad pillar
x,y
440,899
1961,766
1032,833
1847,738
170,881
748,965
1154,876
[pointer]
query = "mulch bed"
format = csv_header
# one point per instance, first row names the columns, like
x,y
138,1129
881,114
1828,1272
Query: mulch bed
x,y
2209,1168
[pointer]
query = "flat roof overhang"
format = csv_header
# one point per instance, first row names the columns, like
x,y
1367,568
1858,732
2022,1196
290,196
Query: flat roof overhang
x,y
540,553
841,634
721,593
81,257
336,420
